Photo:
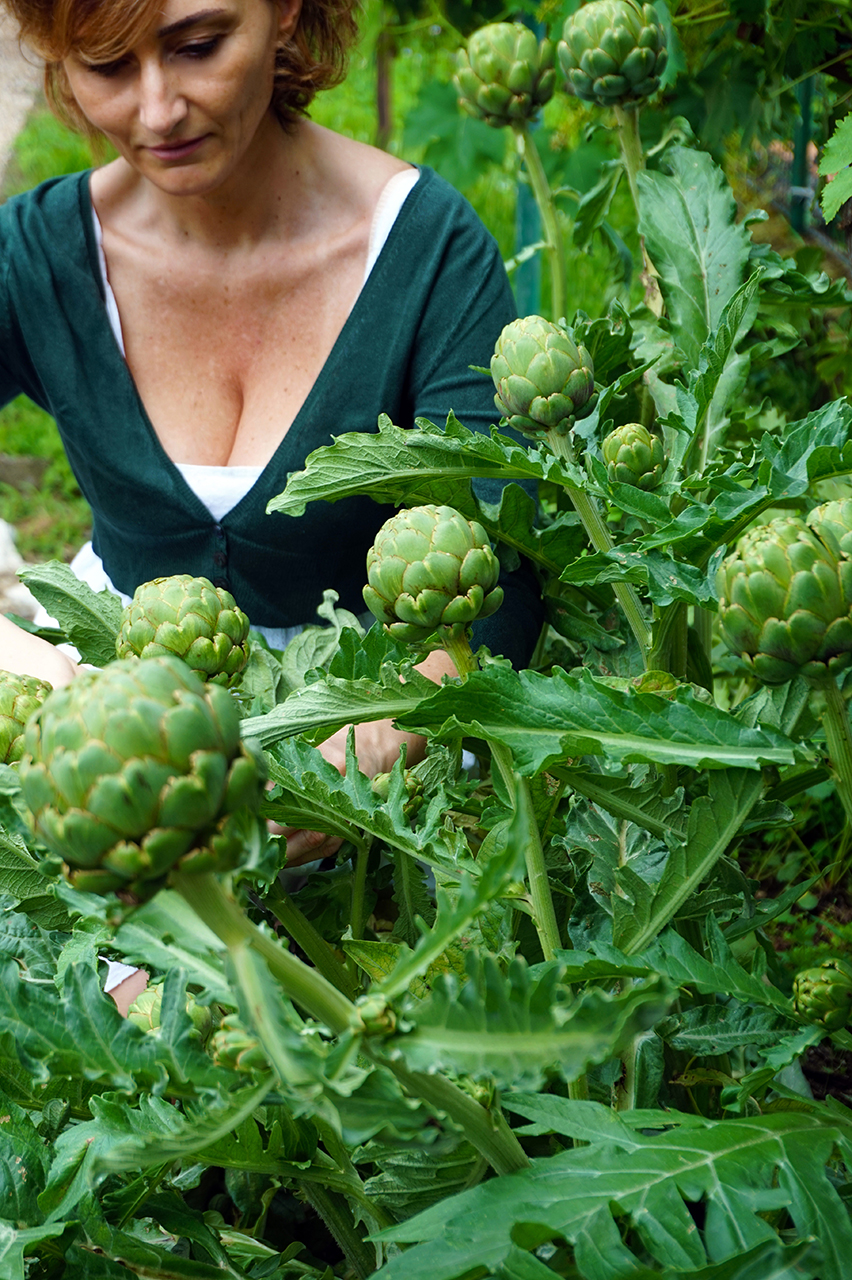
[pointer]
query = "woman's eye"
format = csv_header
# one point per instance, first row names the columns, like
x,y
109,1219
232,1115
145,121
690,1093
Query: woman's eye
x,y
201,48
107,69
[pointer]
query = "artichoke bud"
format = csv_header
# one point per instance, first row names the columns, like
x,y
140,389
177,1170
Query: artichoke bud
x,y
146,1010
191,619
544,381
431,573
137,770
824,994
832,523
504,76
375,1017
20,697
613,52
785,603
633,456
234,1047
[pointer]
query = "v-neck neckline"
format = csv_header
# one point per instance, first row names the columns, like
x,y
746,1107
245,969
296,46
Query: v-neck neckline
x,y
278,461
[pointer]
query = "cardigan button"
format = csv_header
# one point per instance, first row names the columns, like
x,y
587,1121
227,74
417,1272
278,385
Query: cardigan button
x,y
220,559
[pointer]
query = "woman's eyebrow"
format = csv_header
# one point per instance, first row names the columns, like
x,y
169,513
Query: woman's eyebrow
x,y
201,16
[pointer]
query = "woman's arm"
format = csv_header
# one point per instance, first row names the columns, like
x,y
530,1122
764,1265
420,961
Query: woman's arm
x,y
27,655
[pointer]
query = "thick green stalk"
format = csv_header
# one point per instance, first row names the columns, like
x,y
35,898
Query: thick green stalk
x,y
357,915
627,119
549,218
486,1130
601,539
337,1216
458,648
835,722
544,914
305,986
307,938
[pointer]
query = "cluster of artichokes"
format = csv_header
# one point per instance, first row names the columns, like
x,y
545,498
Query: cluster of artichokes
x,y
613,52
431,573
505,75
785,596
193,620
135,770
544,380
824,994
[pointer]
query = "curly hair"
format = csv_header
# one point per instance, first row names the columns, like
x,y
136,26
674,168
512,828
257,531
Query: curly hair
x,y
314,58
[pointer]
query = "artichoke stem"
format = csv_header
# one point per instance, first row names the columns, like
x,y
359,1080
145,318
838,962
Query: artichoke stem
x,y
309,940
835,722
458,647
627,119
305,986
357,914
601,539
549,217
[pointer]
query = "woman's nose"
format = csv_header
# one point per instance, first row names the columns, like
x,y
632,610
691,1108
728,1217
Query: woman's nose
x,y
161,105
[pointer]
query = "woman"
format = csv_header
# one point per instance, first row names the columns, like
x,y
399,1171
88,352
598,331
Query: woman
x,y
237,287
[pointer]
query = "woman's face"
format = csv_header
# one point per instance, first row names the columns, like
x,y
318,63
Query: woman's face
x,y
184,105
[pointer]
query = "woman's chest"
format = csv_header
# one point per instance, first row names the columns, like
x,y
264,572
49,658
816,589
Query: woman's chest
x,y
223,360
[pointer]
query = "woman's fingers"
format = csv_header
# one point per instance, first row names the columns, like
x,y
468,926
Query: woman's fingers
x,y
308,846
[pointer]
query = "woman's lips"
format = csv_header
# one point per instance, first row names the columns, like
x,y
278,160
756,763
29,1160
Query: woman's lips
x,y
176,150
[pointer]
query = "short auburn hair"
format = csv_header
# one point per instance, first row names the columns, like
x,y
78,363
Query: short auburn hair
x,y
314,58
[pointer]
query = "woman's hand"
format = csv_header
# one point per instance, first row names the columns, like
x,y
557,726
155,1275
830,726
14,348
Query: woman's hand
x,y
377,745
27,655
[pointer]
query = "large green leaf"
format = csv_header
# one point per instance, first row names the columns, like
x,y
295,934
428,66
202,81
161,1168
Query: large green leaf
x,y
691,234
22,878
739,1169
546,720
89,619
517,1027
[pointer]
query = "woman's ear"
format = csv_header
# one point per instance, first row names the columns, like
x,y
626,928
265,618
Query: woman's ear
x,y
288,17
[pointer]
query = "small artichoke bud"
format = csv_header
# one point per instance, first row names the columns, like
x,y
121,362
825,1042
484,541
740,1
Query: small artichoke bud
x,y
234,1047
414,789
504,76
824,994
431,572
832,523
20,697
785,603
191,619
543,379
613,52
146,1012
137,770
633,456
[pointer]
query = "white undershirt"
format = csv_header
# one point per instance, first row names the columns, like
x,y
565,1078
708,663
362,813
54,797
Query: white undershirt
x,y
221,488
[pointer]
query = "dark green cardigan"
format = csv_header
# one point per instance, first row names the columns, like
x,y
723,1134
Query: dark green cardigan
x,y
433,305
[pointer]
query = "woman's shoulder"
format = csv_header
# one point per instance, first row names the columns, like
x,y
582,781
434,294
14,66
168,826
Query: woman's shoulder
x,y
53,201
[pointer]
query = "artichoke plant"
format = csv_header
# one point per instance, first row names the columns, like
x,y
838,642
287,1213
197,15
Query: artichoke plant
x,y
431,571
137,770
20,697
193,620
146,1012
543,379
824,994
633,456
613,52
785,603
504,76
234,1047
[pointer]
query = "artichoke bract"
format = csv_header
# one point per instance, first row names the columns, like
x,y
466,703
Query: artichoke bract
x,y
431,571
785,603
193,620
544,381
504,76
137,770
832,523
613,52
20,698
633,456
824,994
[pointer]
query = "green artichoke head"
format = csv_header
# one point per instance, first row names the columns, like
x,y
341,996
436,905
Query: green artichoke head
x,y
137,770
146,1012
193,620
633,456
430,574
785,603
505,75
613,52
824,994
234,1047
544,381
20,697
832,523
